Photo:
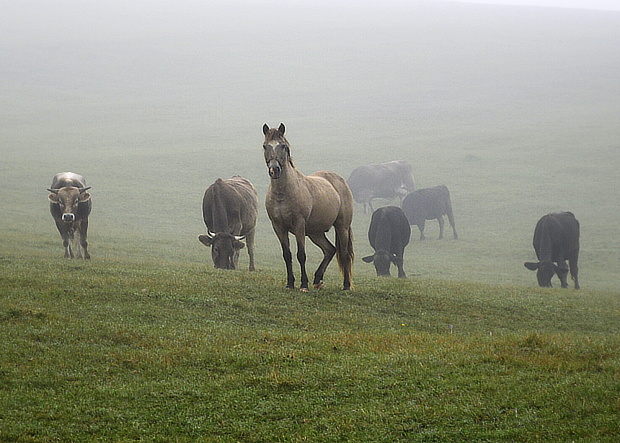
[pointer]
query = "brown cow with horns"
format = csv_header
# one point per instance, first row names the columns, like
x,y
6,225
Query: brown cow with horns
x,y
70,206
230,211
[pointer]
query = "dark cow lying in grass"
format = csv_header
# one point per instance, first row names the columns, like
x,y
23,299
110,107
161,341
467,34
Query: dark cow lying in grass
x,y
70,206
388,234
556,240
429,204
230,211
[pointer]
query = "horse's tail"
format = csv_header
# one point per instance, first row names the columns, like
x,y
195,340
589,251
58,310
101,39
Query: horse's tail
x,y
345,255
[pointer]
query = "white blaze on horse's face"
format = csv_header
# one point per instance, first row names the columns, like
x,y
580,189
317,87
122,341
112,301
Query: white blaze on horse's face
x,y
276,155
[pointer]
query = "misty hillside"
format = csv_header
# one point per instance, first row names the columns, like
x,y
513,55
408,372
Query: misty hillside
x,y
514,108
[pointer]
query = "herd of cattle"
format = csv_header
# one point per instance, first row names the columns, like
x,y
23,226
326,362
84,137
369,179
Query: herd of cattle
x,y
308,206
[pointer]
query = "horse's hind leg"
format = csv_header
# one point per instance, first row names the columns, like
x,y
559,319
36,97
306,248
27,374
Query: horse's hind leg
x,y
344,253
329,250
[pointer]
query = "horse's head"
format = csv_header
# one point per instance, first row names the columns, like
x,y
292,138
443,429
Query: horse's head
x,y
276,149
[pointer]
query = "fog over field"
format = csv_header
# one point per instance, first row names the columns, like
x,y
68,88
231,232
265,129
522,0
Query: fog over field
x,y
515,108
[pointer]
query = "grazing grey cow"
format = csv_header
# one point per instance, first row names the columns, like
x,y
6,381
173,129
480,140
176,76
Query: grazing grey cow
x,y
70,206
385,180
556,239
429,204
230,211
388,234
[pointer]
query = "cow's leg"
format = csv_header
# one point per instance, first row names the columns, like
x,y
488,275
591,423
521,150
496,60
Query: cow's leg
x,y
400,263
68,243
83,239
78,229
574,271
249,239
328,254
66,232
287,255
451,220
441,225
563,275
421,225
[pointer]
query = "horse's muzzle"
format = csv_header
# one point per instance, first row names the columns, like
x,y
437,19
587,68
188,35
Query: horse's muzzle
x,y
275,170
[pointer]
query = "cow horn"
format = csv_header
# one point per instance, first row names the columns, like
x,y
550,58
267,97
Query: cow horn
x,y
210,234
55,191
239,237
82,190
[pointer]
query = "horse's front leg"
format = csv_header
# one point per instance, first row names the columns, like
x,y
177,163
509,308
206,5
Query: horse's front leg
x,y
301,258
288,257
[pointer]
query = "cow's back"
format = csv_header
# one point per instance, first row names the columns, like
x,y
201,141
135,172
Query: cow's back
x,y
427,204
389,229
556,236
68,179
380,180
231,205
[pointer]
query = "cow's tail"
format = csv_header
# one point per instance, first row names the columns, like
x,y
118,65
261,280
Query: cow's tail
x,y
345,255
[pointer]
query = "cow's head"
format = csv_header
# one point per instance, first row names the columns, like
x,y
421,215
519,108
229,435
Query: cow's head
x,y
545,272
382,261
224,248
68,199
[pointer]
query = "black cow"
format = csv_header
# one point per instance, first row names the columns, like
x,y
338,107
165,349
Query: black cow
x,y
429,204
70,206
556,239
230,211
385,180
388,234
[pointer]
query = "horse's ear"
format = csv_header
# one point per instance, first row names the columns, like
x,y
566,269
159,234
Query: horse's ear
x,y
265,129
281,129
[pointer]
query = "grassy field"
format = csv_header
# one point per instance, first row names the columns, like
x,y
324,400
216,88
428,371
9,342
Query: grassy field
x,y
118,350
513,108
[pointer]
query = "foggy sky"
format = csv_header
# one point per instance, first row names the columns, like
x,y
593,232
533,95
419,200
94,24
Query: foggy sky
x,y
613,5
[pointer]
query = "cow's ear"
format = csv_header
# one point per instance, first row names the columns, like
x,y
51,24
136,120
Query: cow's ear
x,y
205,240
531,266
53,197
238,245
84,197
368,259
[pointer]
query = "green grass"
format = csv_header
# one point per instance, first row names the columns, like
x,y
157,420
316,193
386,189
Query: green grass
x,y
119,350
